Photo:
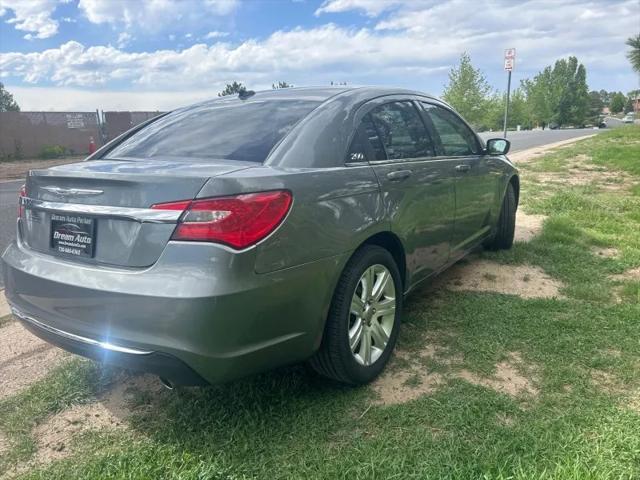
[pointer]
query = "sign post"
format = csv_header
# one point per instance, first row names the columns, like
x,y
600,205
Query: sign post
x,y
509,63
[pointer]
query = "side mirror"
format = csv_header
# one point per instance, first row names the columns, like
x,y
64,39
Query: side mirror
x,y
498,146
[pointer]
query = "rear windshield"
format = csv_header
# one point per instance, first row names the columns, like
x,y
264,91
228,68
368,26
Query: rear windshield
x,y
222,129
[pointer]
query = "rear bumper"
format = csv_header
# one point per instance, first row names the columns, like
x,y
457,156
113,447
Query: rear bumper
x,y
161,364
200,314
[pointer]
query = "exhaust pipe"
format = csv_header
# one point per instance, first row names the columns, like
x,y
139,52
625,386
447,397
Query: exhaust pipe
x,y
166,383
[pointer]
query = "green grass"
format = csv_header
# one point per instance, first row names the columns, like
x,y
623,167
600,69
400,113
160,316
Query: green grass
x,y
74,382
290,424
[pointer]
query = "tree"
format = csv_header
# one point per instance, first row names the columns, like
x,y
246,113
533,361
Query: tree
x,y
279,85
595,106
232,89
560,94
634,53
617,102
468,92
7,103
541,96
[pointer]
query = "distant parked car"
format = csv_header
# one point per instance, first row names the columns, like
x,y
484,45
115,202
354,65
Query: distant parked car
x,y
249,232
629,118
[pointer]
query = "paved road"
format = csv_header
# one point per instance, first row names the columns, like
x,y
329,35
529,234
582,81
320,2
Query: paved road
x,y
519,141
535,138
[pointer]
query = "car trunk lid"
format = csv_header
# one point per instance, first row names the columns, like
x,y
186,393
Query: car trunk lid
x,y
99,211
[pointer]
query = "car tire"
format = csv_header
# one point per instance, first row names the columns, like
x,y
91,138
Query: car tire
x,y
505,230
341,357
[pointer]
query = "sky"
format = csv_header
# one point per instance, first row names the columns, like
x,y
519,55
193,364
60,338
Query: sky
x,y
161,54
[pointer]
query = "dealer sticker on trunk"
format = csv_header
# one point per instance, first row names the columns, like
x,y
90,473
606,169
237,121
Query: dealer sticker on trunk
x,y
73,235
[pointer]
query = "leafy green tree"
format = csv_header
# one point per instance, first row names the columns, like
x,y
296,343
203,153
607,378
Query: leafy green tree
x,y
468,92
7,103
542,97
634,53
279,85
518,111
232,89
559,94
605,96
573,105
595,106
617,102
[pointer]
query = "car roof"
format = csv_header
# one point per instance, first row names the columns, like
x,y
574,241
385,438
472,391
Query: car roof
x,y
319,94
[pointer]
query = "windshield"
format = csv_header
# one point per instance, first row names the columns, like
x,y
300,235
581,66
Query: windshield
x,y
232,130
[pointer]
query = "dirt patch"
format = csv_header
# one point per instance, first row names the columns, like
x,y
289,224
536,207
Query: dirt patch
x,y
506,379
19,169
528,226
582,173
24,359
394,387
408,377
630,275
4,444
484,276
580,177
605,381
54,438
607,252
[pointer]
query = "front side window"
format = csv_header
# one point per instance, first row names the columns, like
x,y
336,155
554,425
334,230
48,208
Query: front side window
x,y
402,131
456,138
221,129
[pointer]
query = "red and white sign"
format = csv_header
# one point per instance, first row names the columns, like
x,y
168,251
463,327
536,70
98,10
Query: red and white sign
x,y
509,59
509,63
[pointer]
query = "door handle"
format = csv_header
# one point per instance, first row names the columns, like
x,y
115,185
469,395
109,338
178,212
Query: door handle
x,y
463,168
399,175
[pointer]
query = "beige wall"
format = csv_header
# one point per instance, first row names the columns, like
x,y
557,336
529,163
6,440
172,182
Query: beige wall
x,y
25,134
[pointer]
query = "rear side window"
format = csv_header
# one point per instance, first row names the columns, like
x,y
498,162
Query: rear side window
x,y
402,131
366,144
222,129
456,138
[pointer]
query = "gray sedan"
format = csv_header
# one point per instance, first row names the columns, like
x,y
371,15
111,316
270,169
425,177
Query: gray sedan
x,y
258,230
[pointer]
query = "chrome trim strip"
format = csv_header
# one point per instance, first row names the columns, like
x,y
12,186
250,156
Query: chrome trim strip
x,y
72,191
89,341
144,215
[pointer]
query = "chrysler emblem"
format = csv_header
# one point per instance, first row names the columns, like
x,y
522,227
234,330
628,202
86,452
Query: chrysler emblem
x,y
78,192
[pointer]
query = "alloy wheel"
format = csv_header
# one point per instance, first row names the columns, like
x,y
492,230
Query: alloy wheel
x,y
372,314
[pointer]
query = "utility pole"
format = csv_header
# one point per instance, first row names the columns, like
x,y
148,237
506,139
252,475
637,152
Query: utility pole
x,y
509,63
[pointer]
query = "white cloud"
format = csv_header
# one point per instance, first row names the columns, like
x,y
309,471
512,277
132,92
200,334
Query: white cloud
x,y
75,99
215,34
153,15
372,8
413,45
124,39
33,16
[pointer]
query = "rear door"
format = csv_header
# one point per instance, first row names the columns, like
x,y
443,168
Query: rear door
x,y
476,179
418,189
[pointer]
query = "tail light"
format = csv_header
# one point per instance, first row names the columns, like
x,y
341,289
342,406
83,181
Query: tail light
x,y
22,194
238,221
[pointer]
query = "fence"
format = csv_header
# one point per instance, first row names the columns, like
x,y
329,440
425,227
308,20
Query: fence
x,y
29,134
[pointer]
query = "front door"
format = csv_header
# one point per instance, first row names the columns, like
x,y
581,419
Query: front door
x,y
476,181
